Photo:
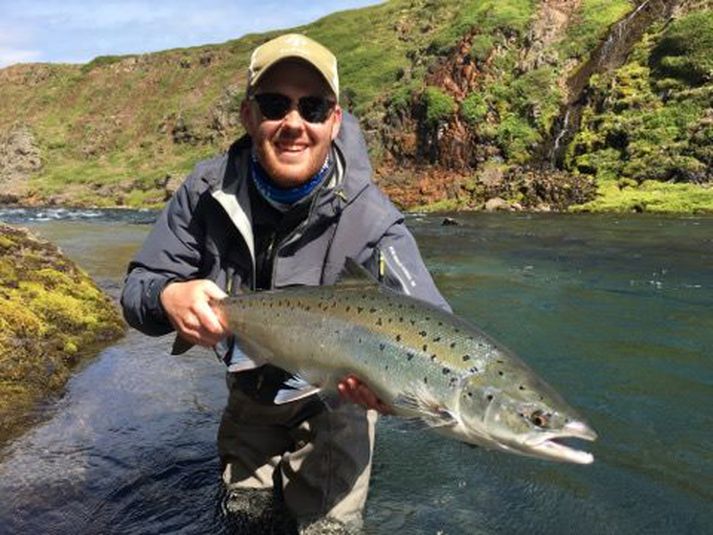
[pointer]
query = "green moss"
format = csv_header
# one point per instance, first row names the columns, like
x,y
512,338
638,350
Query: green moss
x,y
444,205
52,313
439,105
517,138
643,127
684,50
650,196
473,109
592,22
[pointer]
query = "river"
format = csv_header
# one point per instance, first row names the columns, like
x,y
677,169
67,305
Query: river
x,y
616,312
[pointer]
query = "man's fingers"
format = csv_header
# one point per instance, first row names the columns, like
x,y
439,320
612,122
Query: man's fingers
x,y
213,291
357,392
208,319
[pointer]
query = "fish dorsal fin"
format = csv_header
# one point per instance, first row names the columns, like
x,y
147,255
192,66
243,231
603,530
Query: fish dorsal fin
x,y
355,274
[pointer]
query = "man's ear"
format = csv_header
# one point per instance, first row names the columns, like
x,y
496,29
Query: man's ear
x,y
337,121
247,117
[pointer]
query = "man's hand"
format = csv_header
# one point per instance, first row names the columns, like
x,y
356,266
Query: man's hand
x,y
352,389
187,305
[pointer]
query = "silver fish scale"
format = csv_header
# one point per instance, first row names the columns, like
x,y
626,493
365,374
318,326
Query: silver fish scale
x,y
388,340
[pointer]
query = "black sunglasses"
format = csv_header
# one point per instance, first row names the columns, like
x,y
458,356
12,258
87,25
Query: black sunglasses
x,y
274,106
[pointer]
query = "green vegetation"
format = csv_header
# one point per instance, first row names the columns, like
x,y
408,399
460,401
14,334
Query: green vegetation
x,y
591,24
684,51
650,124
474,109
439,105
52,314
650,196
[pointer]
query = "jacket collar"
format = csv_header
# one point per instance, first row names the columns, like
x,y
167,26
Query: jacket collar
x,y
353,176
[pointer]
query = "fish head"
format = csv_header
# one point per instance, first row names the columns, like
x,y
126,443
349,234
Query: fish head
x,y
524,416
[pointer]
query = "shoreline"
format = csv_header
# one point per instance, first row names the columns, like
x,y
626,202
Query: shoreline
x,y
54,317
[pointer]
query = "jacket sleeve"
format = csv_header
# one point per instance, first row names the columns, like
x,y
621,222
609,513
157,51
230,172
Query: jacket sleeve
x,y
172,251
403,268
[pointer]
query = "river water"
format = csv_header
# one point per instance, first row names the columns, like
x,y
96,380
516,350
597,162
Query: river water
x,y
616,312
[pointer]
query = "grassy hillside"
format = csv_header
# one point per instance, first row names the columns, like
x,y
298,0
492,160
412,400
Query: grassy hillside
x,y
457,99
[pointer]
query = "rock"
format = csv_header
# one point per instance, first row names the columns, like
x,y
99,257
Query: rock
x,y
491,176
449,222
19,158
497,204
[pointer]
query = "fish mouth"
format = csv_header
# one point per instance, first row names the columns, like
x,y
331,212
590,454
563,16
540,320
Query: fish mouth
x,y
545,445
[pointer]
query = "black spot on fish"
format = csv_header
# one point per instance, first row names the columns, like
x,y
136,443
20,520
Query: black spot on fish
x,y
401,320
423,333
522,387
307,308
425,379
386,367
490,397
453,344
440,324
425,347
500,373
433,357
466,358
360,309
378,322
470,394
473,370
382,346
409,355
446,371
413,322
372,310
437,339
348,308
398,337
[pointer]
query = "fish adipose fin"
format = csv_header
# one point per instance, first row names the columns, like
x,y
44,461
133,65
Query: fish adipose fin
x,y
295,388
424,408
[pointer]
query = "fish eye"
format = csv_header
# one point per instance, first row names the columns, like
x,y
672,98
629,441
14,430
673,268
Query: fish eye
x,y
540,418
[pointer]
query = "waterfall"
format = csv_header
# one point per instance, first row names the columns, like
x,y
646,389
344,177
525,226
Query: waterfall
x,y
608,56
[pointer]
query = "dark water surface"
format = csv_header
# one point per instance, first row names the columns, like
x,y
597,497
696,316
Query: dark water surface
x,y
615,312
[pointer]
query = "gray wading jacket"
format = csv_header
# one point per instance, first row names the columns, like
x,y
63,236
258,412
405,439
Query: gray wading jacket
x,y
205,232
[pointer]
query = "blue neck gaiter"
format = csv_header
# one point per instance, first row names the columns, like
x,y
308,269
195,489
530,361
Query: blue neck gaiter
x,y
284,198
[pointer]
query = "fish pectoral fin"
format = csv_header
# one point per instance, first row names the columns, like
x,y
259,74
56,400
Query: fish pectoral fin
x,y
295,388
288,395
424,410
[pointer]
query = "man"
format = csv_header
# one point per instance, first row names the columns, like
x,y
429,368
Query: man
x,y
287,204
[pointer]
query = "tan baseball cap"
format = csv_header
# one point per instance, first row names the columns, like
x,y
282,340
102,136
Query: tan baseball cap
x,y
293,45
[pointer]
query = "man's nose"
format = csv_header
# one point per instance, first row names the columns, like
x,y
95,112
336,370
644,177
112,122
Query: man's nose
x,y
293,119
